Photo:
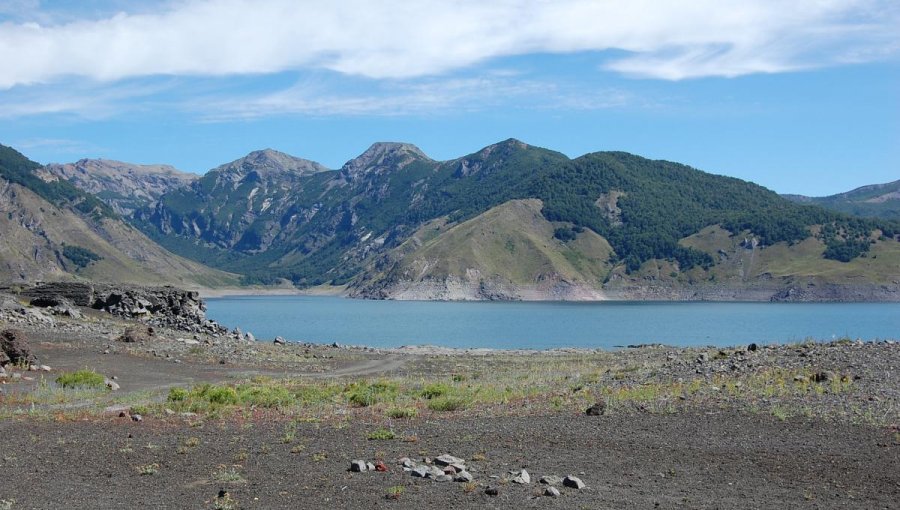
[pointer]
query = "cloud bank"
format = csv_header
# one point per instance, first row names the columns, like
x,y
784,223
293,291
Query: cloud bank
x,y
399,39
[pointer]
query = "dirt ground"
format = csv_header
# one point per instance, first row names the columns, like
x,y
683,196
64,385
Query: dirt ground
x,y
709,455
720,460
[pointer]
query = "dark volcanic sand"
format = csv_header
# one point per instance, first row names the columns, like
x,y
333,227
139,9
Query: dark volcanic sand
x,y
722,460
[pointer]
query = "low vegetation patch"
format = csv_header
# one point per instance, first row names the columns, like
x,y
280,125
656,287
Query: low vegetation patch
x,y
381,434
84,378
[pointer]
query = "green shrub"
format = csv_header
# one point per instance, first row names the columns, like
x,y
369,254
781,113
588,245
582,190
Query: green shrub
x,y
402,412
435,390
177,395
81,378
382,434
81,257
365,394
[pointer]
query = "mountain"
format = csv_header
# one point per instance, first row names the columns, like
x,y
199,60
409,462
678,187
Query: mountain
x,y
514,221
51,230
123,186
873,201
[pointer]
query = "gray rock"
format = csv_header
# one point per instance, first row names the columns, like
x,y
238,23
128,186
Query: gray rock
x,y
521,477
434,472
463,476
370,466
573,482
551,480
406,462
136,334
703,358
553,492
279,340
492,491
446,460
824,376
358,466
112,385
250,338
420,471
443,478
137,417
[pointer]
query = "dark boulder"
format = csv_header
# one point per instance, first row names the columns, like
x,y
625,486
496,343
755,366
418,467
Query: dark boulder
x,y
136,334
14,344
597,409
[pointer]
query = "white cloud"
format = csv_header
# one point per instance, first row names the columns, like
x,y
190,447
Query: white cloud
x,y
401,39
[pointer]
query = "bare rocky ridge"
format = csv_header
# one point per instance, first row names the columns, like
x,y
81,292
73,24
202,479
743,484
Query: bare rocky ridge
x,y
36,233
124,186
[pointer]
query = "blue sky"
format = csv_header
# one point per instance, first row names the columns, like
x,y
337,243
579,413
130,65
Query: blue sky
x,y
802,97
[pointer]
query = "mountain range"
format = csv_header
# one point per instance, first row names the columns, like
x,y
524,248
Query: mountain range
x,y
51,230
510,221
873,201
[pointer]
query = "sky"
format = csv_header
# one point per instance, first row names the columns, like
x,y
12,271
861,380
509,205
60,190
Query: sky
x,y
801,97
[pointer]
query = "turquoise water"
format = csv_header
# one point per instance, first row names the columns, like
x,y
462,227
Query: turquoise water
x,y
545,325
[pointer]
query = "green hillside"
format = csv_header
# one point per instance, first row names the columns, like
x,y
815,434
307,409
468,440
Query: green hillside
x,y
53,231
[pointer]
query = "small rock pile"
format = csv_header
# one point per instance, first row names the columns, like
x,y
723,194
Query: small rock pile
x,y
447,468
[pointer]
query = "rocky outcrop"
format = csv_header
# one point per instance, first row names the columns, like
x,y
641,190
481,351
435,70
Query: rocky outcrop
x,y
14,345
159,306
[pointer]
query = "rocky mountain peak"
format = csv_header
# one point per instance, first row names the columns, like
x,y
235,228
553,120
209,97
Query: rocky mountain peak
x,y
382,156
269,161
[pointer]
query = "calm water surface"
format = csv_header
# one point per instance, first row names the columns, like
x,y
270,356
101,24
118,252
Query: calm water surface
x,y
545,325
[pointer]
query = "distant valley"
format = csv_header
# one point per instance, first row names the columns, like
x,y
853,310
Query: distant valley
x,y
510,221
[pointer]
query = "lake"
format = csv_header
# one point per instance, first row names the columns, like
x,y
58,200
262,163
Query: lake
x,y
547,325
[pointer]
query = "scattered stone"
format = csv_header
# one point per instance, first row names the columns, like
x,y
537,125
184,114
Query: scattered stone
x,y
137,417
434,472
112,385
598,409
136,334
449,470
446,460
551,480
443,478
4,359
752,347
573,482
406,462
370,466
553,492
420,471
800,378
358,466
492,491
824,376
521,477
703,358
279,340
250,338
463,476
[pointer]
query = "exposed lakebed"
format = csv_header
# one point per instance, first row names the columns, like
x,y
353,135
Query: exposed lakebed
x,y
548,325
